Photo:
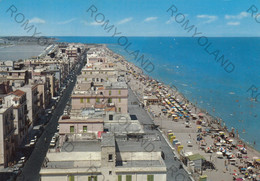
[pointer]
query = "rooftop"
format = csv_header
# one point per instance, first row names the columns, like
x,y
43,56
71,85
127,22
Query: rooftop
x,y
115,85
82,146
18,93
108,139
141,145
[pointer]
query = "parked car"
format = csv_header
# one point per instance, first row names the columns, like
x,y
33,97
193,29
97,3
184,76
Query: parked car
x,y
53,142
32,142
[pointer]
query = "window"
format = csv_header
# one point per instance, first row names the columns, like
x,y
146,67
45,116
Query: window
x,y
119,178
119,100
71,178
119,92
109,100
88,100
110,157
97,100
85,79
85,128
110,172
92,178
71,129
110,92
110,117
119,109
150,178
81,100
128,177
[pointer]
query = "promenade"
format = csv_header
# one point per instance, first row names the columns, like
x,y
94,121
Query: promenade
x,y
175,172
187,135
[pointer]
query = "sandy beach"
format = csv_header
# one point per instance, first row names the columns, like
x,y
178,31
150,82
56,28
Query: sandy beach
x,y
225,169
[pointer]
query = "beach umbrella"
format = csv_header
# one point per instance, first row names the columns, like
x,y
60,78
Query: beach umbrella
x,y
249,168
219,153
221,149
218,144
201,114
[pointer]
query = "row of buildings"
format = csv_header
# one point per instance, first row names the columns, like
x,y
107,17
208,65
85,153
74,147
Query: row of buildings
x,y
98,138
26,90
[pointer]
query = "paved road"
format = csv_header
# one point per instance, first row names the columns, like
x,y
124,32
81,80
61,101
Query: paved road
x,y
31,170
174,170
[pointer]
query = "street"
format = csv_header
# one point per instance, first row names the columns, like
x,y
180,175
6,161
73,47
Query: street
x,y
32,167
175,172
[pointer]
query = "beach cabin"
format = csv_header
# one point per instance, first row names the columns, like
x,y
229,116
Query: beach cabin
x,y
150,100
195,161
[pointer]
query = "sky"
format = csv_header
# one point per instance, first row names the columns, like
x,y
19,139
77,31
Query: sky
x,y
217,18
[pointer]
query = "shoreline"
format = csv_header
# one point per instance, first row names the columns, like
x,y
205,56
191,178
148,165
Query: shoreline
x,y
215,120
214,123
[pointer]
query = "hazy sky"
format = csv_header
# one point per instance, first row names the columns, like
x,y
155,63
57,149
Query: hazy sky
x,y
131,17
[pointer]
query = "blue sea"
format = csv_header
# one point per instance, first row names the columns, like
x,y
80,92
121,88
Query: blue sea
x,y
181,61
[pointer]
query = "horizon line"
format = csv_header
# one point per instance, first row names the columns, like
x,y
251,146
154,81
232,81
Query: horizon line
x,y
133,36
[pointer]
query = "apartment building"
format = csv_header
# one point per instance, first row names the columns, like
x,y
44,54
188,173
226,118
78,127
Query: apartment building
x,y
109,96
117,158
32,102
7,134
18,99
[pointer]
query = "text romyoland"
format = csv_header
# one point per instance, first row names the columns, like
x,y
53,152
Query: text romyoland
x,y
123,41
203,41
20,18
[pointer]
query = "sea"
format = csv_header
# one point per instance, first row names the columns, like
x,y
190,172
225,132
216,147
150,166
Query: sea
x,y
201,74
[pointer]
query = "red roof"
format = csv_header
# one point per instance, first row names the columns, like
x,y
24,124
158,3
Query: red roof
x,y
18,93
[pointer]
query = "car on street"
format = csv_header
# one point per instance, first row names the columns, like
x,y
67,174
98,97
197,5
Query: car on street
x,y
32,142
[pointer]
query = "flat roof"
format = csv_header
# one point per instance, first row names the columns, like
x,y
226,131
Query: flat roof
x,y
73,164
115,85
141,163
108,139
142,145
81,146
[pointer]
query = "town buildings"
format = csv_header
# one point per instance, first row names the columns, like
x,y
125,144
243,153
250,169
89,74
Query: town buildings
x,y
27,88
98,138
7,135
